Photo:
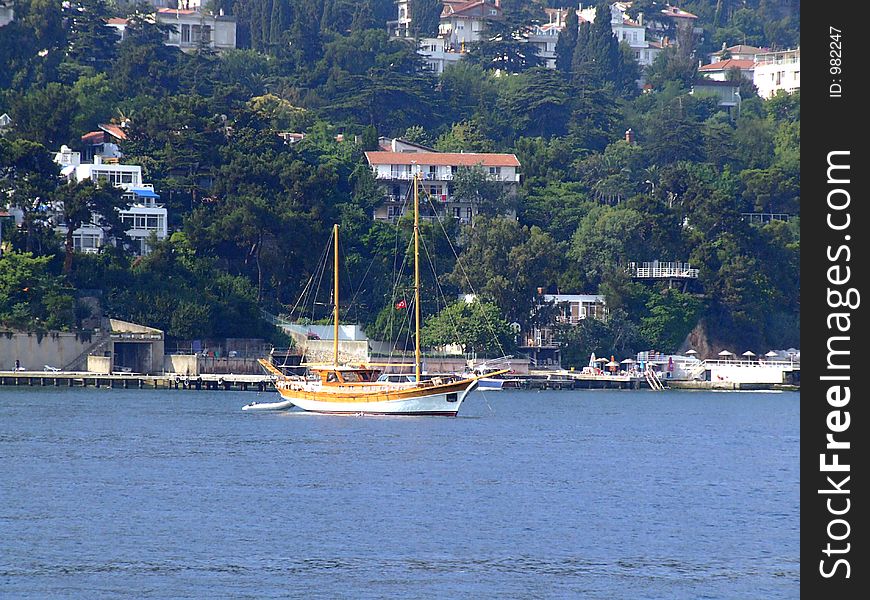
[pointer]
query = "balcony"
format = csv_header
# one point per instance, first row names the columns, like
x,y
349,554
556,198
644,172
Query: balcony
x,y
662,270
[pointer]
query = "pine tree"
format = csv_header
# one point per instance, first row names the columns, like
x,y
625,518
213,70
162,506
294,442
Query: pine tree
x,y
425,16
91,41
567,42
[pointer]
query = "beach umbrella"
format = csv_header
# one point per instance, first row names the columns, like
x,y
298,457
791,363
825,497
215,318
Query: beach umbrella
x,y
749,353
725,353
628,361
601,360
612,363
690,352
771,354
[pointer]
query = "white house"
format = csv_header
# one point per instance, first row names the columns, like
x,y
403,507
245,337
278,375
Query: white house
x,y
573,308
739,52
463,23
718,71
539,342
437,53
401,27
119,24
633,33
7,12
394,171
143,215
776,71
195,27
727,92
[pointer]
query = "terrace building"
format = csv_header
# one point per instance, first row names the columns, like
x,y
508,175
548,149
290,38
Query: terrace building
x,y
775,71
144,215
395,166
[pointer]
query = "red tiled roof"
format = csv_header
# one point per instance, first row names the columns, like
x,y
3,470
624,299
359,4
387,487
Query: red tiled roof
x,y
673,11
744,49
731,63
93,137
113,130
447,159
456,9
116,21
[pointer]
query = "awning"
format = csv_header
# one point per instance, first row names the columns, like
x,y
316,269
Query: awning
x,y
145,193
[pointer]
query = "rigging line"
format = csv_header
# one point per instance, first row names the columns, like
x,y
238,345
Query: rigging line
x,y
467,278
359,289
322,272
306,289
439,289
400,329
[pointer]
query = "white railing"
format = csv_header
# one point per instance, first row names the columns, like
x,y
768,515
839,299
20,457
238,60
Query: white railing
x,y
665,272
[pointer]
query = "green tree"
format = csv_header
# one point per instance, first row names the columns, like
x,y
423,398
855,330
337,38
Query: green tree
x,y
486,193
566,43
86,202
535,103
477,326
506,262
425,17
671,316
45,115
465,136
31,297
28,178
91,41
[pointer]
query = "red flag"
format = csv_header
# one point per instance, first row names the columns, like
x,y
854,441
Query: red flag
x,y
401,304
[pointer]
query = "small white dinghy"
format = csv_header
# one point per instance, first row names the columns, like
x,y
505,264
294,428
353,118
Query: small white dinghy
x,y
268,405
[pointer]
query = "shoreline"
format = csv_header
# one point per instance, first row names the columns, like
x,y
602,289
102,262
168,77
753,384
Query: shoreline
x,y
265,383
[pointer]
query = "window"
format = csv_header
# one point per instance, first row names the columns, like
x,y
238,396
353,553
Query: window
x,y
206,33
468,213
495,170
126,178
457,212
185,34
195,33
152,222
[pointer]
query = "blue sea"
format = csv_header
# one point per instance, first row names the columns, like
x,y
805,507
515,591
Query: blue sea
x,y
554,494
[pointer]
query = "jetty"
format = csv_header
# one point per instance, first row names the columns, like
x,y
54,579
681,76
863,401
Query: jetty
x,y
168,381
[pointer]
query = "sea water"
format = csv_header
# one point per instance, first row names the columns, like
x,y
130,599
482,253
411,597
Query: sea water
x,y
571,494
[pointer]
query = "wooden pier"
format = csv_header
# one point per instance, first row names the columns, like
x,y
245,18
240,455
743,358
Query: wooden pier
x,y
574,380
228,382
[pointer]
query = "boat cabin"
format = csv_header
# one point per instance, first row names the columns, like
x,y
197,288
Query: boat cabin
x,y
339,375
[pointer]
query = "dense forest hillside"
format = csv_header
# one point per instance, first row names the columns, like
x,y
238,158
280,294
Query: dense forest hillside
x,y
250,213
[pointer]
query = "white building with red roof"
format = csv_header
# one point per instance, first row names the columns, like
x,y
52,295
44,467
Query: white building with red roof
x,y
739,52
718,71
633,33
395,168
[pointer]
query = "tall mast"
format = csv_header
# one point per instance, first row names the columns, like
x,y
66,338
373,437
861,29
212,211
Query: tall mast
x,y
335,296
417,361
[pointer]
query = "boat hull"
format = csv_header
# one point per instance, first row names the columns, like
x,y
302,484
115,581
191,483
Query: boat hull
x,y
488,383
436,401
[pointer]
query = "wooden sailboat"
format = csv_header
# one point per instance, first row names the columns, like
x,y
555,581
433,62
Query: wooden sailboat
x,y
341,389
